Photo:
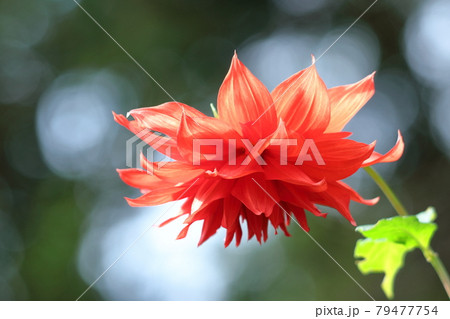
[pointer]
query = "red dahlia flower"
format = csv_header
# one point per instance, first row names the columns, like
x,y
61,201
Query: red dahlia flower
x,y
267,158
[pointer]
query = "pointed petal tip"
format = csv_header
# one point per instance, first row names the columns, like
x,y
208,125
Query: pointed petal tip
x,y
372,145
135,202
234,59
129,201
347,100
305,228
371,79
320,185
116,116
183,233
353,223
373,201
369,202
393,155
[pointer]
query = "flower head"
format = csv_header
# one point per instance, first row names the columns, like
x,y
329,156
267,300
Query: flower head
x,y
266,159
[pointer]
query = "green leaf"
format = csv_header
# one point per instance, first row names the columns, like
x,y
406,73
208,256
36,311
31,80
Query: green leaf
x,y
389,240
381,255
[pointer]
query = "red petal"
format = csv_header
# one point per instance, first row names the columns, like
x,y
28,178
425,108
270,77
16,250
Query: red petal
x,y
347,100
243,98
291,173
257,225
234,171
161,196
201,131
213,218
302,101
354,196
174,172
299,214
276,218
238,234
140,178
162,144
185,209
337,197
342,158
164,118
296,196
393,155
183,232
231,210
229,236
257,194
211,190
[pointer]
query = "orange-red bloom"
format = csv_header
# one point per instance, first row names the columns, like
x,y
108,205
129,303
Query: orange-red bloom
x,y
258,177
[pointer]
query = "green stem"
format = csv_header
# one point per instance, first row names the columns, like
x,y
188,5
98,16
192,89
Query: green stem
x,y
433,258
395,202
430,255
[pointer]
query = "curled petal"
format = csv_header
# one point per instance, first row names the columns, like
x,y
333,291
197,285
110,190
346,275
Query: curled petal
x,y
341,158
160,196
337,197
347,100
354,196
140,178
293,174
162,144
236,170
393,155
257,194
164,118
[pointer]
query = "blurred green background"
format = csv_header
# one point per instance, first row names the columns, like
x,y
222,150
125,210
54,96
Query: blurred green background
x,y
63,219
